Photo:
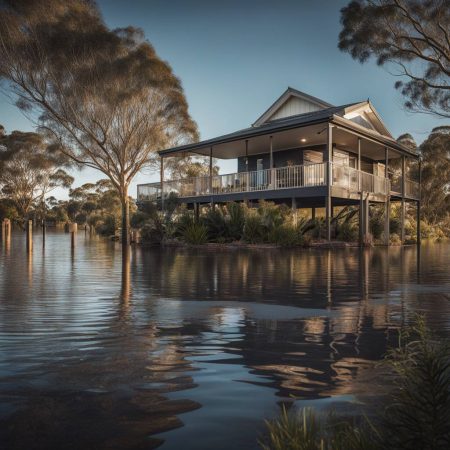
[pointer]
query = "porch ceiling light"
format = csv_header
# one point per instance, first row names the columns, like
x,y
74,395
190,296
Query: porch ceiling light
x,y
302,140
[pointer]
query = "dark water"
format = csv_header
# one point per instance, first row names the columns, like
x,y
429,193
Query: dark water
x,y
191,349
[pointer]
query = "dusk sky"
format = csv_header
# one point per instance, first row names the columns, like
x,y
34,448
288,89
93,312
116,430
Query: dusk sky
x,y
236,57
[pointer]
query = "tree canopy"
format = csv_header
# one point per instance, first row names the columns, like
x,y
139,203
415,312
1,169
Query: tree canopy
x,y
104,95
412,37
30,168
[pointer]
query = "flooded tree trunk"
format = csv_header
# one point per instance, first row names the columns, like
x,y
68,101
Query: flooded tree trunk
x,y
125,218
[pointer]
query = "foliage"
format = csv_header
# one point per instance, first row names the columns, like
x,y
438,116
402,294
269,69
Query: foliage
x,y
104,96
304,430
195,234
253,228
216,224
411,37
30,168
417,412
435,186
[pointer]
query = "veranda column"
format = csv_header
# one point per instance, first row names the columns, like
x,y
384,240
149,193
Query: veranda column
x,y
273,180
329,181
403,206
161,177
387,214
418,237
210,175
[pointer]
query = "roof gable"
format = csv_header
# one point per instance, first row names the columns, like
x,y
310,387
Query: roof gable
x,y
291,103
365,115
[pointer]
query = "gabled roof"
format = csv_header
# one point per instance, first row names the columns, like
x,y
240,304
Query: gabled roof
x,y
288,94
286,123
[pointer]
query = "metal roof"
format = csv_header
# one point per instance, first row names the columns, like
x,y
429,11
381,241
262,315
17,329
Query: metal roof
x,y
292,122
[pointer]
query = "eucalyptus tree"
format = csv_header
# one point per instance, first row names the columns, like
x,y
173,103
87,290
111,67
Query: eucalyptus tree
x,y
103,95
30,169
411,38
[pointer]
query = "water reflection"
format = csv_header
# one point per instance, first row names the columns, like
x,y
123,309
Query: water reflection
x,y
101,348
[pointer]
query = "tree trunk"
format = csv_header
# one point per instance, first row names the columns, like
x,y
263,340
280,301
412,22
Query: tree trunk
x,y
125,218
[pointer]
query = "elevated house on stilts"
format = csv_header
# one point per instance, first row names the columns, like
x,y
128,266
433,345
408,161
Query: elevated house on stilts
x,y
307,153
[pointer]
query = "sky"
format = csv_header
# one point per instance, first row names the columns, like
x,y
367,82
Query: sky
x,y
235,58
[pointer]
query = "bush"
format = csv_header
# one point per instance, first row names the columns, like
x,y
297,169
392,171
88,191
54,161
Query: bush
x,y
285,235
418,412
195,234
236,221
417,415
107,226
216,224
347,232
153,231
377,226
253,229
303,430
139,218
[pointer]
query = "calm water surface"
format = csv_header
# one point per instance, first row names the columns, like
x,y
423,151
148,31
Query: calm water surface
x,y
191,349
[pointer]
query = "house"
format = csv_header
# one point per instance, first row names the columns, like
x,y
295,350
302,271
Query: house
x,y
305,152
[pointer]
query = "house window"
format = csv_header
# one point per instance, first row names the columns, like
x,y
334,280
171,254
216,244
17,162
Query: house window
x,y
341,158
312,157
259,164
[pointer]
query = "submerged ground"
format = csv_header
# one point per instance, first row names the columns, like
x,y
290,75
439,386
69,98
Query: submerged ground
x,y
191,348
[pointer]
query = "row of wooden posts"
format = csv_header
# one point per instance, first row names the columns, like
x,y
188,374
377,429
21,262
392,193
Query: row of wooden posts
x,y
6,233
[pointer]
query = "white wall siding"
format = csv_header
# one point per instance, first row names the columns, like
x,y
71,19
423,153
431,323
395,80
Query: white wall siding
x,y
293,107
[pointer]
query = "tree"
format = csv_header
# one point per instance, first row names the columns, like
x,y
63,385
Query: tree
x,y
413,36
435,186
103,95
31,168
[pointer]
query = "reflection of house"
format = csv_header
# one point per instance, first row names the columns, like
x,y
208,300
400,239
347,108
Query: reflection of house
x,y
304,151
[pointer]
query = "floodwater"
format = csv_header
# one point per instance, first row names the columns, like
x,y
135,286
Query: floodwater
x,y
192,349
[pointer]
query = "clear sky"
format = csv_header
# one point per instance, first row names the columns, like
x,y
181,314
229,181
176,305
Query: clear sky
x,y
235,58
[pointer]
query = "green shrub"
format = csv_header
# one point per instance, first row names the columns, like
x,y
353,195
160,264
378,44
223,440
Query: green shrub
x,y
236,221
304,430
286,235
216,224
153,231
347,232
418,411
377,226
253,229
139,218
106,226
195,234
183,221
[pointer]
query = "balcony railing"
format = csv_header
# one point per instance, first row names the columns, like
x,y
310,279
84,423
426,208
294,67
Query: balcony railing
x,y
301,176
280,178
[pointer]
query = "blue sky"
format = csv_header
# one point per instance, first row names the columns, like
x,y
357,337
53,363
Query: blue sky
x,y
235,58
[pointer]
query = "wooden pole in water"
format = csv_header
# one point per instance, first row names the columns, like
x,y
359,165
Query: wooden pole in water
x,y
29,236
43,232
73,228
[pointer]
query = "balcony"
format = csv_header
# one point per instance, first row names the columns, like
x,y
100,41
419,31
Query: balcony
x,y
343,178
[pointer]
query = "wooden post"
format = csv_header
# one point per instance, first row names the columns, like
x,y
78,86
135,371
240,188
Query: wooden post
x,y
294,209
359,164
313,213
161,177
329,181
29,230
403,205
271,152
196,211
73,228
361,218
43,232
419,237
387,213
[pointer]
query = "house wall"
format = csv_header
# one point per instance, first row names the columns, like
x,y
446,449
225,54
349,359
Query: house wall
x,y
281,158
293,107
